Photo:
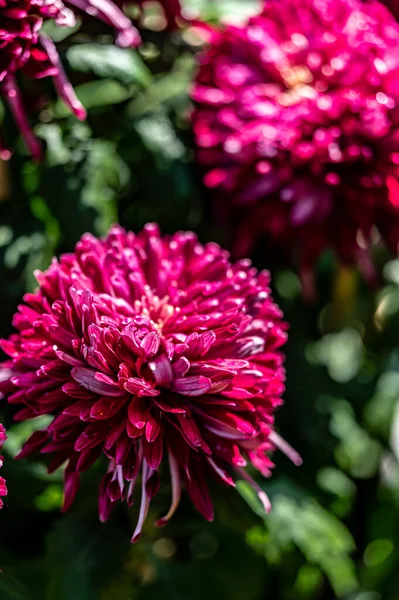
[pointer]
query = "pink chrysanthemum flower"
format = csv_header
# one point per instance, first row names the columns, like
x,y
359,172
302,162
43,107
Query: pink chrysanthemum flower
x,y
3,487
24,48
145,349
297,126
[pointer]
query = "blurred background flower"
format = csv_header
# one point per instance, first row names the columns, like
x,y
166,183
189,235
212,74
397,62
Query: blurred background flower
x,y
296,124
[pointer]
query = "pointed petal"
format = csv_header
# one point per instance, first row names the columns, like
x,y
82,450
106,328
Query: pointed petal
x,y
62,84
285,447
145,503
192,386
137,412
176,491
71,485
96,382
198,490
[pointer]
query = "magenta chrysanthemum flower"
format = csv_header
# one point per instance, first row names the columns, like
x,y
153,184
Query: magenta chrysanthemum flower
x,y
3,487
297,126
145,349
25,48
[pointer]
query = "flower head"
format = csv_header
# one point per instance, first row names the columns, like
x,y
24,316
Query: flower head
x,y
297,126
3,487
26,49
150,349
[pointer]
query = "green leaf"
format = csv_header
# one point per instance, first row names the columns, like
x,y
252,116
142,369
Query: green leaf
x,y
236,11
58,33
57,151
358,452
83,557
164,89
96,94
299,521
84,177
334,481
123,64
22,249
340,352
70,549
106,175
11,588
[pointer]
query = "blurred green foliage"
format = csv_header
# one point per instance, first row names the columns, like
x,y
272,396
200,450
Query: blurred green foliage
x,y
334,528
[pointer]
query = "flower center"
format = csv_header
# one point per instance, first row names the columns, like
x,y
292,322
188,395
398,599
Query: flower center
x,y
157,310
297,80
